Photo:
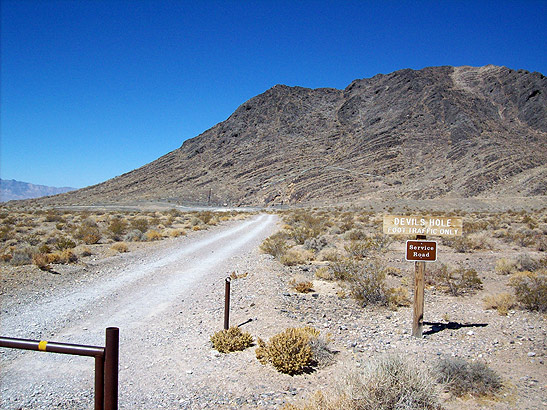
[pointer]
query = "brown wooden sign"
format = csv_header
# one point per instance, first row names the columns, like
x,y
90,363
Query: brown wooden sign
x,y
423,225
421,251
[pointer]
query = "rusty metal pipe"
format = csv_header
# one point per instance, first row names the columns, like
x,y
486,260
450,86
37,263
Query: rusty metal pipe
x,y
53,347
111,362
227,304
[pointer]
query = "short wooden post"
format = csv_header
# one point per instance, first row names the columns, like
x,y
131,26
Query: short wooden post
x,y
419,285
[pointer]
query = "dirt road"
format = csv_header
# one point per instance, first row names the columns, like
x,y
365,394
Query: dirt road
x,y
149,296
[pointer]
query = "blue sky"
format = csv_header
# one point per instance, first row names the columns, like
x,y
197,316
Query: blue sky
x,y
93,89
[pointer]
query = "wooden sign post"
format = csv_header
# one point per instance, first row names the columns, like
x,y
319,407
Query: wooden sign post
x,y
421,251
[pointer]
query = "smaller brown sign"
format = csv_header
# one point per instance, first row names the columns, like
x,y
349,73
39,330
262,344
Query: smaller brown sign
x,y
421,251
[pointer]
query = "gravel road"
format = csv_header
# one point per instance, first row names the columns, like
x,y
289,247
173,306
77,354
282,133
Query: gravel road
x,y
148,295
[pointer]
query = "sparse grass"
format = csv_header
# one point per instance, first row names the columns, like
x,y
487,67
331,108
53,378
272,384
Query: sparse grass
x,y
295,256
461,377
505,266
231,340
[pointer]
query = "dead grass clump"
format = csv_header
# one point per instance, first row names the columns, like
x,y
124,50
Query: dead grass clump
x,y
231,340
292,351
41,261
502,302
397,297
461,377
301,286
175,233
530,289
120,247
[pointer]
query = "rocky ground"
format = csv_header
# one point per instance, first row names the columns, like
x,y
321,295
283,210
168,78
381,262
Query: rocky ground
x,y
167,360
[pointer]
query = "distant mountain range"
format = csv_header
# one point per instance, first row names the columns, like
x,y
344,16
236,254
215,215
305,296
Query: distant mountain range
x,y
439,132
14,190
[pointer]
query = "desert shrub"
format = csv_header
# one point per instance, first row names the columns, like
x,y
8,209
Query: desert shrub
x,y
530,289
41,261
175,233
355,235
120,247
140,224
86,251
134,235
295,256
65,243
153,235
205,216
6,233
505,266
54,216
231,340
526,263
275,245
300,234
315,244
289,351
22,256
117,227
89,234
461,377
387,383
195,221
455,281
330,255
358,249
369,287
396,297
324,273
344,269
502,302
461,244
301,286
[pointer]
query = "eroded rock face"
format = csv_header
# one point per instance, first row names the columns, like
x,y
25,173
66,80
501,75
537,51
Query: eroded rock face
x,y
439,131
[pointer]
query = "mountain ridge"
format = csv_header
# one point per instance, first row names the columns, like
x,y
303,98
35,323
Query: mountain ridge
x,y
12,190
431,133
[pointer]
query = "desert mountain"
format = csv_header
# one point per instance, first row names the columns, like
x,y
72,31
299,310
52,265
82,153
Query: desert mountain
x,y
14,190
437,132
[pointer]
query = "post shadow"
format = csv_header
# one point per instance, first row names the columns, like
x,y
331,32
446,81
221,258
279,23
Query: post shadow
x,y
437,327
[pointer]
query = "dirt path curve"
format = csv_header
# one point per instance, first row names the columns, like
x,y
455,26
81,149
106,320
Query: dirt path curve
x,y
148,296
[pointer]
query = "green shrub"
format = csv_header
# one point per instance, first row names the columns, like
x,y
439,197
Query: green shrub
x,y
461,377
290,351
231,340
530,290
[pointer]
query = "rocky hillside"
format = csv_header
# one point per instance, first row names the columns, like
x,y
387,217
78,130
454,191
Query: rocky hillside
x,y
437,132
13,190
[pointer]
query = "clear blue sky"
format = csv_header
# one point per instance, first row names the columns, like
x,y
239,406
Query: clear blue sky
x,y
92,89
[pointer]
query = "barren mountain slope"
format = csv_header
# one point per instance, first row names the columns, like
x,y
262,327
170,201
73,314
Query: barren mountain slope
x,y
436,132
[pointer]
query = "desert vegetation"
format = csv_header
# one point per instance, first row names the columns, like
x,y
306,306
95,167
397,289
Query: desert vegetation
x,y
45,238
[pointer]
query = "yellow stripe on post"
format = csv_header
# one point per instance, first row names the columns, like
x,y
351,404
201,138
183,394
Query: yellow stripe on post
x,y
42,346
